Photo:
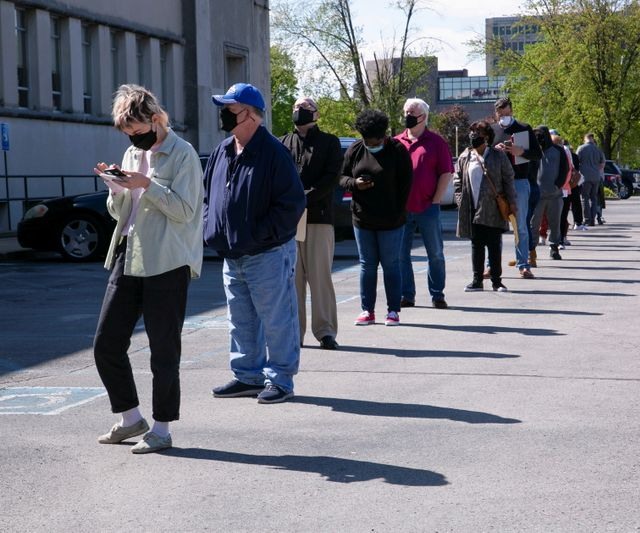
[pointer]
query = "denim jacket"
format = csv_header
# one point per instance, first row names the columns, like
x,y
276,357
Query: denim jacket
x,y
167,233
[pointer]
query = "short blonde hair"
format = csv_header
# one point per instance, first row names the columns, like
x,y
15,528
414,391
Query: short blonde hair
x,y
133,103
417,102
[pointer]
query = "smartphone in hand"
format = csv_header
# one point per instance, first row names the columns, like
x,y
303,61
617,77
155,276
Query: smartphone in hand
x,y
113,174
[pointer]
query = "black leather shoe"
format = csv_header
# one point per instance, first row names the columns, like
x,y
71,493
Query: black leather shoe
x,y
407,303
328,343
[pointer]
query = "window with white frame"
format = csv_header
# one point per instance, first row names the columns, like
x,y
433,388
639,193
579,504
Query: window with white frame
x,y
87,74
22,58
56,54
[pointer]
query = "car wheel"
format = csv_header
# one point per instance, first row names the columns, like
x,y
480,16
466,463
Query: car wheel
x,y
625,190
82,238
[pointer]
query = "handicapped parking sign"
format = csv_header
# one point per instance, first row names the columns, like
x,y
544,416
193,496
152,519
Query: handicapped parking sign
x,y
4,135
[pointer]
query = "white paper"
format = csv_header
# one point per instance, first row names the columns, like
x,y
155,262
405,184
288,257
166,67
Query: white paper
x,y
521,138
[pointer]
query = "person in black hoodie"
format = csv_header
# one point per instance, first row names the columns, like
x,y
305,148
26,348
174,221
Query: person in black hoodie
x,y
552,174
318,158
517,140
377,171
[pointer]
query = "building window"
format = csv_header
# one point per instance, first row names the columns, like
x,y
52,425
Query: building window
x,y
140,45
164,81
115,59
23,58
87,77
56,83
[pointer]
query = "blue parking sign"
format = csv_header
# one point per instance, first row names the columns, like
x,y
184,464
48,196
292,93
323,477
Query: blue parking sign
x,y
4,134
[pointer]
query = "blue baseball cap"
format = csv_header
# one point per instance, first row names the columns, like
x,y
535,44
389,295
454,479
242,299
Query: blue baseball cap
x,y
240,93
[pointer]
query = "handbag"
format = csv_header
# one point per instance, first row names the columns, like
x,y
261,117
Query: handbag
x,y
574,180
501,198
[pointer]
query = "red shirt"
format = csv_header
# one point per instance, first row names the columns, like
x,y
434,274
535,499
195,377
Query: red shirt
x,y
430,157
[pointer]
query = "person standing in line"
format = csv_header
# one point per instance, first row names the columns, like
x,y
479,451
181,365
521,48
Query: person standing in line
x,y
253,202
432,171
481,171
591,167
155,250
377,171
318,158
552,175
576,192
518,141
566,190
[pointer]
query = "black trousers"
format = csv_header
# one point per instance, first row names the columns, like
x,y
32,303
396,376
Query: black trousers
x,y
564,216
576,205
491,238
162,301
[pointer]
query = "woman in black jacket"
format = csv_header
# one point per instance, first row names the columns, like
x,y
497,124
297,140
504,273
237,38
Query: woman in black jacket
x,y
377,171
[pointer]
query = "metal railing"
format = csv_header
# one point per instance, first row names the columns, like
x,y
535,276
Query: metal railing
x,y
24,190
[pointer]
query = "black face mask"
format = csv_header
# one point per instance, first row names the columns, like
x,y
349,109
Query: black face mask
x,y
542,141
144,141
302,117
476,140
229,119
410,121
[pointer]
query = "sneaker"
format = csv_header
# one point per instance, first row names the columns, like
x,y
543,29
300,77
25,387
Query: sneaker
x,y
542,241
601,221
237,389
440,304
512,262
406,303
583,227
273,394
525,273
119,433
152,443
328,343
561,246
577,226
554,254
474,286
487,273
365,318
499,287
566,242
392,319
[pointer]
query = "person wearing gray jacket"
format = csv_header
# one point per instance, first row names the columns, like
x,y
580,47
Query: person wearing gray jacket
x,y
479,218
591,167
552,173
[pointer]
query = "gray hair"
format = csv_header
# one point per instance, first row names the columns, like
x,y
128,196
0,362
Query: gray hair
x,y
417,102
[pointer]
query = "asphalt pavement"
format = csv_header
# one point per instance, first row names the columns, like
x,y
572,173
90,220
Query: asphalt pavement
x,y
507,412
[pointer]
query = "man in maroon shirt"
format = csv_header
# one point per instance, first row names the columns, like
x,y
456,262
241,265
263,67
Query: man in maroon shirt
x,y
432,172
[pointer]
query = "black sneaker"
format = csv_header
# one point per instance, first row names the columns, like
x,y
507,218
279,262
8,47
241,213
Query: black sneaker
x,y
273,394
236,389
440,304
328,343
407,303
474,286
554,253
499,287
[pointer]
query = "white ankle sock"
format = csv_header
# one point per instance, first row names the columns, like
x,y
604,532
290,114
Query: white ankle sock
x,y
160,428
131,417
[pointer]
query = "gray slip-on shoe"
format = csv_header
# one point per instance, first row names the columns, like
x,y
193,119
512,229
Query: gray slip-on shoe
x,y
119,433
152,443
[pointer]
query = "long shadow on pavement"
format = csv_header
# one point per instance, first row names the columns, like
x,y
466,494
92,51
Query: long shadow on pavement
x,y
333,469
522,311
591,280
571,293
404,410
490,330
399,352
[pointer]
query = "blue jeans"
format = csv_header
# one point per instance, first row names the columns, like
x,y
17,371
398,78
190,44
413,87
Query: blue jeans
x,y
263,316
430,227
534,198
522,203
379,247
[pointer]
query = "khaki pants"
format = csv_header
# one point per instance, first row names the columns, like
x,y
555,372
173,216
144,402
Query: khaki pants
x,y
313,266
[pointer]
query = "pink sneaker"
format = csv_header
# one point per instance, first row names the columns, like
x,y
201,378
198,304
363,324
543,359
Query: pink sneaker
x,y
365,318
392,319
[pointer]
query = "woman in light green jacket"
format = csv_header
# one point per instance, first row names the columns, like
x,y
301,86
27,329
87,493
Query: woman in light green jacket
x,y
156,249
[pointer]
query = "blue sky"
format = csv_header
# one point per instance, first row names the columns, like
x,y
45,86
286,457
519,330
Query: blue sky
x,y
451,22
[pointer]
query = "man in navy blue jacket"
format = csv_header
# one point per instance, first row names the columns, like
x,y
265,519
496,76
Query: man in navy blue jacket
x,y
253,202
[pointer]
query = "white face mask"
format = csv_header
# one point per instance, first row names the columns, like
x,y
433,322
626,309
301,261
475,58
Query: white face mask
x,y
505,121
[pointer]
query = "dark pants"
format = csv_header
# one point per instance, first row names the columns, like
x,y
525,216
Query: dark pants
x,y
161,300
491,238
576,205
564,217
534,198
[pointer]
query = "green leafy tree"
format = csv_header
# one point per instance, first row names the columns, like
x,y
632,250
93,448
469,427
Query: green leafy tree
x,y
324,35
337,116
284,85
453,124
584,74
